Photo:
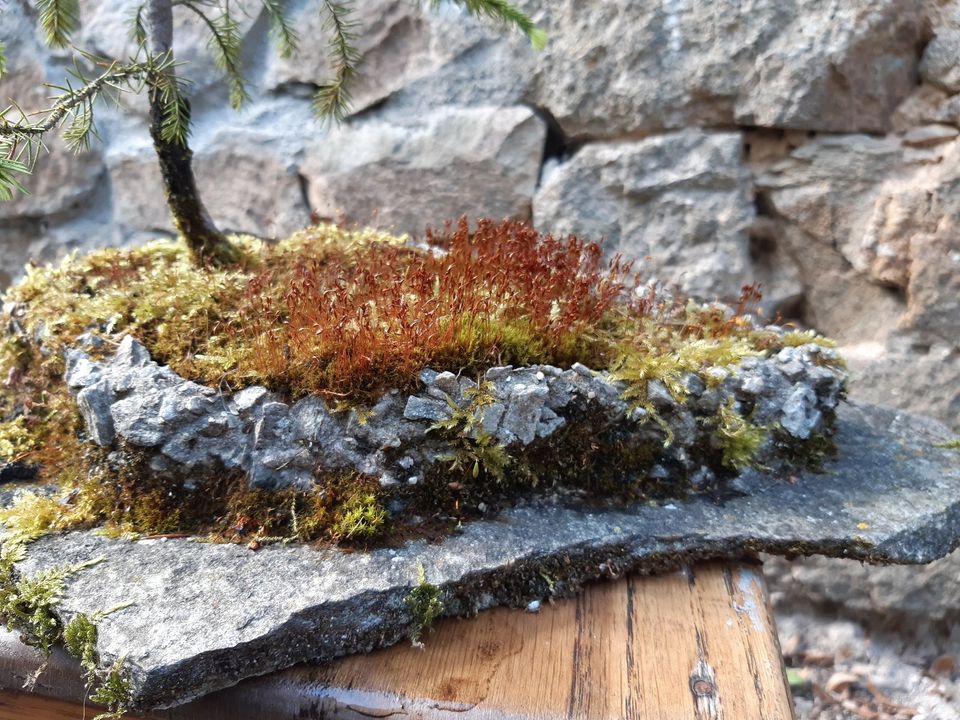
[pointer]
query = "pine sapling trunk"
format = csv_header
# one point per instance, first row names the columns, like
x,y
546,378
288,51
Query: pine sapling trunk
x,y
191,218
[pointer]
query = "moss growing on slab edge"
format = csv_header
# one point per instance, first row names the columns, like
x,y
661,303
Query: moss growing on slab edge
x,y
424,605
737,437
125,499
108,687
28,606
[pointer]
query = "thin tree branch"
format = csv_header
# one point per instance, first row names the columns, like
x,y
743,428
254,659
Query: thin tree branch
x,y
72,99
225,38
333,99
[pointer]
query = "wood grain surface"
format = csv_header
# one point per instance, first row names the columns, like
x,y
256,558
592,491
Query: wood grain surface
x,y
698,644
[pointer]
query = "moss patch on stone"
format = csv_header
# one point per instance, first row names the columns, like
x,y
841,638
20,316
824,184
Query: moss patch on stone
x,y
118,494
28,606
350,315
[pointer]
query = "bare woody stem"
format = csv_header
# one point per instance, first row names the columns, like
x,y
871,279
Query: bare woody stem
x,y
191,218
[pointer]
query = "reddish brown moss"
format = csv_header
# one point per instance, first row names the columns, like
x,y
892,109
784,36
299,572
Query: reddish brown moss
x,y
500,294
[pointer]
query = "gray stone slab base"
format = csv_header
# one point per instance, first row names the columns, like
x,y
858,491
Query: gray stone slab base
x,y
205,616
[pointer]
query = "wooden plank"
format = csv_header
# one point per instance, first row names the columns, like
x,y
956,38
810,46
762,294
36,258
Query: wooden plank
x,y
25,706
698,644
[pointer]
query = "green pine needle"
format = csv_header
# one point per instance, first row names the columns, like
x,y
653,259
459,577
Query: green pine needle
x,y
58,19
283,32
81,129
175,119
138,28
226,44
10,168
504,12
332,101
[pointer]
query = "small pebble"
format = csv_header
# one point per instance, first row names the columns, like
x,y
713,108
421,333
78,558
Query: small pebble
x,y
533,606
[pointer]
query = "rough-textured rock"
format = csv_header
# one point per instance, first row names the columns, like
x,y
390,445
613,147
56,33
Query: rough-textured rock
x,y
870,199
274,206
790,85
939,63
826,186
617,67
680,203
394,49
211,615
191,430
478,162
929,135
908,373
929,594
873,231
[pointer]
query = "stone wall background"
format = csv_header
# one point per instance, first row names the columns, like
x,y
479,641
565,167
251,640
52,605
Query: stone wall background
x,y
810,145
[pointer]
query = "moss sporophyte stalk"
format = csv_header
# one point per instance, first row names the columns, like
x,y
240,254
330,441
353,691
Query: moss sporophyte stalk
x,y
351,316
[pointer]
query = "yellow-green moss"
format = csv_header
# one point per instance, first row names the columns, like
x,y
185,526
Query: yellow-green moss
x,y
33,514
424,605
362,517
796,338
27,602
129,501
738,438
179,310
474,449
667,348
109,687
112,690
16,440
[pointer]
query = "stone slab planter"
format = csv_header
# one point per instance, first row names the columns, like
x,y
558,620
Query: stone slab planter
x,y
205,616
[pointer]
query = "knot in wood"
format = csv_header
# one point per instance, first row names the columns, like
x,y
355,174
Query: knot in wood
x,y
703,688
